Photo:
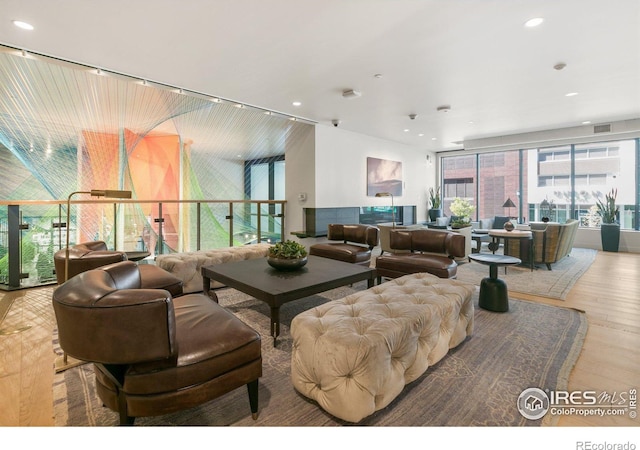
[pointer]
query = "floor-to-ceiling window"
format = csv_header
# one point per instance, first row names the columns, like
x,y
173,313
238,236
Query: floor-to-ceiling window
x,y
459,176
566,181
265,179
557,183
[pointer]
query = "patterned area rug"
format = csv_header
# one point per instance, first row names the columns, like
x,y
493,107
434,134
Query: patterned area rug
x,y
476,384
555,283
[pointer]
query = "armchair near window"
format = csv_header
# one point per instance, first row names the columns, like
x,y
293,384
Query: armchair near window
x,y
385,240
85,256
94,254
551,242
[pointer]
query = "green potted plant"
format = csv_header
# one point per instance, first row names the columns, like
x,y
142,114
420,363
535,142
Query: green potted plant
x,y
462,209
435,204
609,228
287,255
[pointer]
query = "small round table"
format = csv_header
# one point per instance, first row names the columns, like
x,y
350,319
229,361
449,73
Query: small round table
x,y
493,290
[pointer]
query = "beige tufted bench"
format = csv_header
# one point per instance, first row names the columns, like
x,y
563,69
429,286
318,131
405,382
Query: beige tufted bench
x,y
187,265
355,355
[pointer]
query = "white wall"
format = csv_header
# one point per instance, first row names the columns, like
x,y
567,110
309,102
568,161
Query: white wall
x,y
300,179
341,170
330,167
590,238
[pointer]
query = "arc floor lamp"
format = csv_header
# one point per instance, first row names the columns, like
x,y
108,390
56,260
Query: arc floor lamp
x,y
94,193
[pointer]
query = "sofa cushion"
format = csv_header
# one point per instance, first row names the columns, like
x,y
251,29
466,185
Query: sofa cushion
x,y
499,221
350,253
403,264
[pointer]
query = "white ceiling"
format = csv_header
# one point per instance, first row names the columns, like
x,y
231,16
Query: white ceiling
x,y
476,56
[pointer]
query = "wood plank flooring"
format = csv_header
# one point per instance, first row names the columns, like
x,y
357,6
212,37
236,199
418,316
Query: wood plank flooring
x,y
610,360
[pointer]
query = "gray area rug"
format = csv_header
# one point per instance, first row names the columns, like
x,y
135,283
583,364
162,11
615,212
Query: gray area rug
x,y
476,384
555,283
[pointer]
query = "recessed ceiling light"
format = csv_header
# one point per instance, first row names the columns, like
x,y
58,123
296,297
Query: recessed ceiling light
x,y
533,22
586,122
23,25
421,134
434,139
406,130
378,75
571,94
297,103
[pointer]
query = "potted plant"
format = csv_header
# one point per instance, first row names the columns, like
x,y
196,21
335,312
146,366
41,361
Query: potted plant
x,y
287,255
462,209
435,204
609,228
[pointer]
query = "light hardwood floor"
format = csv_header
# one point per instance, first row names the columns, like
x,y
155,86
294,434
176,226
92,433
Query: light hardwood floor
x,y
609,293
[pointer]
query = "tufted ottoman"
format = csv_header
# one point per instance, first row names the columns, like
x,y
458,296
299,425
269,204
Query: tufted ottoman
x,y
355,355
187,265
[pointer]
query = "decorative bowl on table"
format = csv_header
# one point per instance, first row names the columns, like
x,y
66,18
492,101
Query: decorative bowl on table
x,y
286,264
287,256
508,226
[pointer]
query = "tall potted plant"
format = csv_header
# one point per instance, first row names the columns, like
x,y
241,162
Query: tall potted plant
x,y
435,204
609,228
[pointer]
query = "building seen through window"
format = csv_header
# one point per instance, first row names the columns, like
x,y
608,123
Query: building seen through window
x,y
556,182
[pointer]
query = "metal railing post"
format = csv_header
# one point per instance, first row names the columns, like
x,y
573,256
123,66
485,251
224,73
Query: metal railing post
x,y
198,224
159,220
230,219
14,245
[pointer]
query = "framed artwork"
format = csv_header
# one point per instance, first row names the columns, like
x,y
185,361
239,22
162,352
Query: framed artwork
x,y
384,175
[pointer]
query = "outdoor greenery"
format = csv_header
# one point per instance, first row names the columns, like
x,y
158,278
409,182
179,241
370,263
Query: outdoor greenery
x,y
462,208
287,250
608,209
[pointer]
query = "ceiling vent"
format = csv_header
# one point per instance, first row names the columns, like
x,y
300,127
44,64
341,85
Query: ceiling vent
x,y
602,128
351,93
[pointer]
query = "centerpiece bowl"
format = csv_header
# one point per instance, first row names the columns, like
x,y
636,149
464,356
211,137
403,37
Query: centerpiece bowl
x,y
287,256
286,264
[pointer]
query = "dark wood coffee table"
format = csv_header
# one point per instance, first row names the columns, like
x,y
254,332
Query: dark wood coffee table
x,y
257,278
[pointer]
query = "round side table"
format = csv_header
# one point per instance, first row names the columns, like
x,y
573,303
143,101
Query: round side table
x,y
493,290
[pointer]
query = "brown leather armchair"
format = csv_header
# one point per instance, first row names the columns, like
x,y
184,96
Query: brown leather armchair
x,y
91,255
355,247
85,256
430,251
154,354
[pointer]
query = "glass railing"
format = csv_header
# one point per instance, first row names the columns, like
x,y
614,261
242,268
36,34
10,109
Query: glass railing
x,y
32,231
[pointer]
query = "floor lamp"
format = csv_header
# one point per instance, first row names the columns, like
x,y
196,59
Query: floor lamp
x,y
393,209
93,193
